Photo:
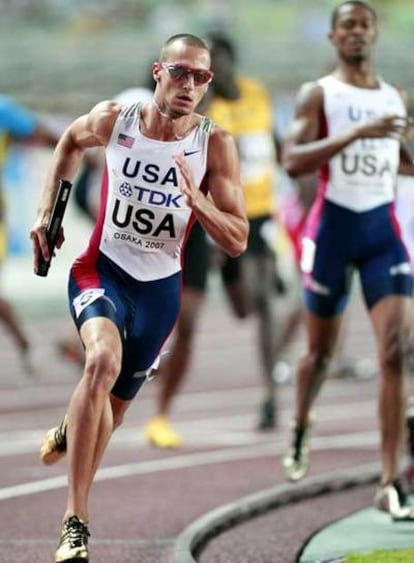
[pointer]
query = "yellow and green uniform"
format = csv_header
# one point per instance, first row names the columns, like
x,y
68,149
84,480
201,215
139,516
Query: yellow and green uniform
x,y
249,120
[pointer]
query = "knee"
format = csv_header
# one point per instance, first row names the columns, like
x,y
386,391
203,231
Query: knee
x,y
186,327
394,353
102,367
318,360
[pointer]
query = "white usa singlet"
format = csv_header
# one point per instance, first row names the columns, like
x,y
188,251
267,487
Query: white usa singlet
x,y
363,175
146,218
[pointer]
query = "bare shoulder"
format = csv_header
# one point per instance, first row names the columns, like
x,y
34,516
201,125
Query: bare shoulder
x,y
404,94
310,95
94,129
222,156
220,139
305,126
102,117
106,107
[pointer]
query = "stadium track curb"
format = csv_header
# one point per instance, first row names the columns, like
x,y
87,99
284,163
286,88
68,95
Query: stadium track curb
x,y
216,521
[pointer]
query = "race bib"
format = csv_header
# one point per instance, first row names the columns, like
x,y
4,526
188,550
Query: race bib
x,y
86,298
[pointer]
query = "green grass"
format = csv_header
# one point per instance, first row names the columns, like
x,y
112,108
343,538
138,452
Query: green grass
x,y
400,556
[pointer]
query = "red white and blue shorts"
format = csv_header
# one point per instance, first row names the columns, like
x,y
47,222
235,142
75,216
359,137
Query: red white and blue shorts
x,y
338,242
145,313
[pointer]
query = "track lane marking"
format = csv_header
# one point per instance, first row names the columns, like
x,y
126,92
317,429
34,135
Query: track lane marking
x,y
27,441
273,448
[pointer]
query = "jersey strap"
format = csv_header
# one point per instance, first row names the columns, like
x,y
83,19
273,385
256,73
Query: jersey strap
x,y
206,125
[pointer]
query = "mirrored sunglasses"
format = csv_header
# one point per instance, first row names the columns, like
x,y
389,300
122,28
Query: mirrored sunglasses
x,y
179,72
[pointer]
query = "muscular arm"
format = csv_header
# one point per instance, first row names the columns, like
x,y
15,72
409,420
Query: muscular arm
x,y
406,158
90,130
304,150
406,167
222,215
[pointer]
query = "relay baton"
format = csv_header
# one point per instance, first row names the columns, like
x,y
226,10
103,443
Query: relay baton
x,y
55,221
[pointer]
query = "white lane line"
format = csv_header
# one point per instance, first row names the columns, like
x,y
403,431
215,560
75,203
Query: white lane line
x,y
274,448
53,395
193,430
96,541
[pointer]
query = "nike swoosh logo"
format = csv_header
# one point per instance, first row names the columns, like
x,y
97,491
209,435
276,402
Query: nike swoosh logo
x,y
188,153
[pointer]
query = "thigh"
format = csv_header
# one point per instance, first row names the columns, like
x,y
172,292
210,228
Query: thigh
x,y
258,241
191,303
326,278
101,334
230,270
260,274
322,333
259,261
151,318
95,296
385,268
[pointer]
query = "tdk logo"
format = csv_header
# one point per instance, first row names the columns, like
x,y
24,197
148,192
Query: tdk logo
x,y
125,189
150,197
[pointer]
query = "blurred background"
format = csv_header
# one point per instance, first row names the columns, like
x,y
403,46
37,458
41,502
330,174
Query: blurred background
x,y
59,57
63,55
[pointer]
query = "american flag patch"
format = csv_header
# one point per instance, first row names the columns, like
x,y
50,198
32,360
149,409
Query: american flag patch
x,y
125,140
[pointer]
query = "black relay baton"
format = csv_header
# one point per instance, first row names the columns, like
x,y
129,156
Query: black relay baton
x,y
55,221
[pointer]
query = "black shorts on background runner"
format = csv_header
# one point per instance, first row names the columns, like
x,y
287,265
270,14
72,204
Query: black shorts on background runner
x,y
196,261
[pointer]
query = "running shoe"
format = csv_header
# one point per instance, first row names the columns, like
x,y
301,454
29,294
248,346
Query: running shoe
x,y
267,415
409,477
53,447
393,499
296,461
283,372
409,468
73,544
161,434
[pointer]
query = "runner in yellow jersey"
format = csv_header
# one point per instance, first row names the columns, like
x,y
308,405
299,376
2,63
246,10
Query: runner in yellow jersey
x,y
243,106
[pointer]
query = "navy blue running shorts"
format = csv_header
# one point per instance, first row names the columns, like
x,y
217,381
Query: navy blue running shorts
x,y
341,242
145,313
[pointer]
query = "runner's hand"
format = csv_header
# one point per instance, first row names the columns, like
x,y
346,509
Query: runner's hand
x,y
39,241
191,193
391,126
